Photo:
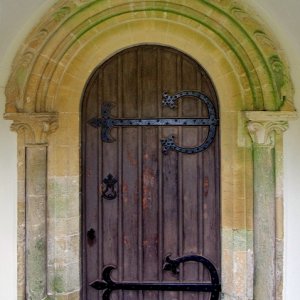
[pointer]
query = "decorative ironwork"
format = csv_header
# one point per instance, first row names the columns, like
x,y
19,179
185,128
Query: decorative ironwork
x,y
212,121
108,187
107,123
214,287
173,265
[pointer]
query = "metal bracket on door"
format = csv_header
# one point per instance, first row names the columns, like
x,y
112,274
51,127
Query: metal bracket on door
x,y
108,190
106,122
213,287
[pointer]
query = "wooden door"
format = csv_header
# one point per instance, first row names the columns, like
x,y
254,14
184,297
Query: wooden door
x,y
156,204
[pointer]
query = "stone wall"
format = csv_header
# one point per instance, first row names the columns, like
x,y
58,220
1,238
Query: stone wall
x,y
44,101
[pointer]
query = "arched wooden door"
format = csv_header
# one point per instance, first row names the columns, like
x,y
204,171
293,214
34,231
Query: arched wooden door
x,y
143,201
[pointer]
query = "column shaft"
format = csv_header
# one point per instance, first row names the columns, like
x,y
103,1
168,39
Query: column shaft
x,y
36,227
264,222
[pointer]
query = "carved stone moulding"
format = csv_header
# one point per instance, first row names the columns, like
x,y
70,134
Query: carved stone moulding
x,y
262,124
248,44
36,126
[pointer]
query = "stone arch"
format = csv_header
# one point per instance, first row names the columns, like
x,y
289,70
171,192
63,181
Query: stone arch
x,y
250,73
252,52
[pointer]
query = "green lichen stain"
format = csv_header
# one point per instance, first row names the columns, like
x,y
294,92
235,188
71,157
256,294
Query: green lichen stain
x,y
279,74
254,80
264,170
61,206
242,239
36,263
61,13
57,200
21,75
58,284
40,244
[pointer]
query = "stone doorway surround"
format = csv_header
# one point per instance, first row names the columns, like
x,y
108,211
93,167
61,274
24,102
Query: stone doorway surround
x,y
44,93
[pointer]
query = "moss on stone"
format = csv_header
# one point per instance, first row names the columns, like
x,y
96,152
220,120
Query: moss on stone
x,y
58,284
40,244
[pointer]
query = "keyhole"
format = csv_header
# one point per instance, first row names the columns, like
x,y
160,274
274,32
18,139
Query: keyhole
x,y
91,234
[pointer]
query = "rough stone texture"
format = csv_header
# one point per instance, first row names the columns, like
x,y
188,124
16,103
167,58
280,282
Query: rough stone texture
x,y
248,44
36,239
237,263
63,234
264,222
279,268
279,216
21,235
65,296
268,204
50,72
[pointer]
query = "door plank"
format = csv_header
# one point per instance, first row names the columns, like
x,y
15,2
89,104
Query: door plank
x,y
166,204
109,220
90,183
150,147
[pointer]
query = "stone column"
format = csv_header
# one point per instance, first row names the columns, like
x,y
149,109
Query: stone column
x,y
34,129
263,128
36,231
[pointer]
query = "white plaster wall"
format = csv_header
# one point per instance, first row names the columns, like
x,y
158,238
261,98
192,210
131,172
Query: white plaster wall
x,y
283,18
8,210
17,18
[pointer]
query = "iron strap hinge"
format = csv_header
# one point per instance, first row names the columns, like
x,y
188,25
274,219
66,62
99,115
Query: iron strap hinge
x,y
213,287
106,122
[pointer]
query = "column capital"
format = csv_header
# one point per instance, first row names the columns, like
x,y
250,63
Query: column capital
x,y
36,126
263,124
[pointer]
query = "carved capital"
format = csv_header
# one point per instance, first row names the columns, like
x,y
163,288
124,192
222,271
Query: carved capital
x,y
262,125
35,126
262,132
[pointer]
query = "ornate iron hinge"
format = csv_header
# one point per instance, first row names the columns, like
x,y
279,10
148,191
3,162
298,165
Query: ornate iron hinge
x,y
106,122
213,287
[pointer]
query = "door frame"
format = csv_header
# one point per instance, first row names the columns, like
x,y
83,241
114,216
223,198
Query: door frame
x,y
44,91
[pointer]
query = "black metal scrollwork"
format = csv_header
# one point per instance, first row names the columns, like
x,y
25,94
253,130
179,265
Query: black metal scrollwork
x,y
107,123
212,121
109,192
214,287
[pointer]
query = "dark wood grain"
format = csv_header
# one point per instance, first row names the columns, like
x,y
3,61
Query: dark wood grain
x,y
166,204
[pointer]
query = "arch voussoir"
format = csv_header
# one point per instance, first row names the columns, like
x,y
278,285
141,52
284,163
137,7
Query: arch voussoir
x,y
65,30
49,74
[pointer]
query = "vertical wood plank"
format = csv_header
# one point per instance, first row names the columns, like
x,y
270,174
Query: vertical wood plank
x,y
190,176
149,142
179,85
90,188
202,111
120,175
169,172
166,203
109,217
140,167
159,171
130,173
